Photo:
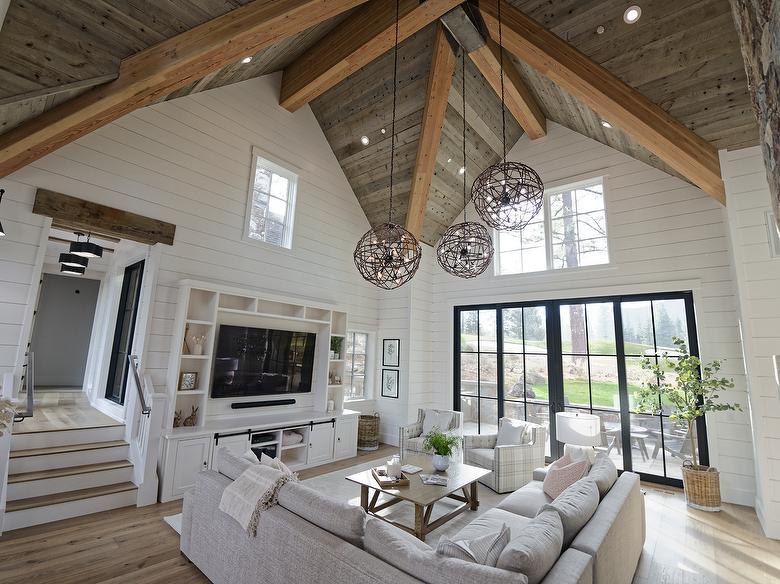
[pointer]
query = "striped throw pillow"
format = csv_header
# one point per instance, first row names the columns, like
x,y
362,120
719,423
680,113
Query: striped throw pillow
x,y
484,550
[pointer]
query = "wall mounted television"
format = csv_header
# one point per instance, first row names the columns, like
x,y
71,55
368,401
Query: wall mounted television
x,y
257,361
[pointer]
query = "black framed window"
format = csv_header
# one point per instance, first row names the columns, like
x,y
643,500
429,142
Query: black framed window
x,y
530,360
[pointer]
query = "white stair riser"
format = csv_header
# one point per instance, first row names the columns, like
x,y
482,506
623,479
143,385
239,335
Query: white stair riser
x,y
66,459
49,513
66,437
51,486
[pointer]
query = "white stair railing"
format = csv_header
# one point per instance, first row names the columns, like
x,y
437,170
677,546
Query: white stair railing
x,y
146,424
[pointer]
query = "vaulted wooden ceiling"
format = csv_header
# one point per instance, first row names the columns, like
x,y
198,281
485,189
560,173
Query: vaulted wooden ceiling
x,y
683,56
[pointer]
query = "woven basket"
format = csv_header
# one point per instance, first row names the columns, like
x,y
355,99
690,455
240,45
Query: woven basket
x,y
368,432
702,486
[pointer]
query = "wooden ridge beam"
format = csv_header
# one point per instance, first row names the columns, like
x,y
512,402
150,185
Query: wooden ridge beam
x,y
614,100
437,94
361,38
485,54
159,70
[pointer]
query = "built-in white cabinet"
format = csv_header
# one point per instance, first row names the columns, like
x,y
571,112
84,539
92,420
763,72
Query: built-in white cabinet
x,y
190,457
345,445
320,444
237,444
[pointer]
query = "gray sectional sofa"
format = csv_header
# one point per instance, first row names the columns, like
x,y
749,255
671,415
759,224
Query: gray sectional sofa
x,y
309,538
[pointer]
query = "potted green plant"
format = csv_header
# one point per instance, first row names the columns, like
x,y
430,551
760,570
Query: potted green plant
x,y
692,393
442,445
335,346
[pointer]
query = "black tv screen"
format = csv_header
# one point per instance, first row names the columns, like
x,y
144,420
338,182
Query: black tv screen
x,y
255,361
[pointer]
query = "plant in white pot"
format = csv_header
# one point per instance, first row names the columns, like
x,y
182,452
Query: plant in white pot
x,y
693,391
442,445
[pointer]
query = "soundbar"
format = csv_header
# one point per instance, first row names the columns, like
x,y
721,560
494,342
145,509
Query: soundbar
x,y
262,404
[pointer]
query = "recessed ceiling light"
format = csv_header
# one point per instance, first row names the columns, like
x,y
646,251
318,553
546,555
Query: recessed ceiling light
x,y
383,130
600,29
246,60
462,170
632,14
606,124
449,160
364,140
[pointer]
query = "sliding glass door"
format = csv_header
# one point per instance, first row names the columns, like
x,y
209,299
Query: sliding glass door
x,y
531,360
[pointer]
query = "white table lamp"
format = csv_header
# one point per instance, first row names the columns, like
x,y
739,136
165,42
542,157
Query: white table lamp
x,y
579,432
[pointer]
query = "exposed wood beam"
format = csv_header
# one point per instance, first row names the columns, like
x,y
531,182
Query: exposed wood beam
x,y
439,82
485,54
361,38
615,101
49,91
159,70
80,215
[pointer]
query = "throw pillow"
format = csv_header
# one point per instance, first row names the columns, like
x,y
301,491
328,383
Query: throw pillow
x,y
483,550
275,463
576,505
511,432
562,473
433,419
604,473
536,549
250,456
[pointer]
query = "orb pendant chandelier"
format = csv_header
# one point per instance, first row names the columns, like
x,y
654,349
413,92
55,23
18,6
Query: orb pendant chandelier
x,y
466,249
388,255
507,195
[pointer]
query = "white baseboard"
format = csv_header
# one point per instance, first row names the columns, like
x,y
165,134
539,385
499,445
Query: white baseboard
x,y
771,527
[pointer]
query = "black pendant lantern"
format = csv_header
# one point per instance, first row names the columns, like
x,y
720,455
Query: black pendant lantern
x,y
388,255
507,195
86,249
72,270
73,260
2,231
466,249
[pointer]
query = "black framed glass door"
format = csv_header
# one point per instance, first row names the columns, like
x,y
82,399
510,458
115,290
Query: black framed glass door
x,y
531,360
123,332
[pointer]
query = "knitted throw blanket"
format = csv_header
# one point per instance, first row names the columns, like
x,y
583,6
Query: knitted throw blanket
x,y
252,493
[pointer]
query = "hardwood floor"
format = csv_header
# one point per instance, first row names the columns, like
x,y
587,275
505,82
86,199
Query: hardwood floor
x,y
63,410
133,545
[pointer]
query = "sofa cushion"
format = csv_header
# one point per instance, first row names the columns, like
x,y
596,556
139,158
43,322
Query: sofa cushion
x,y
436,419
512,432
576,505
414,444
231,465
562,473
490,522
407,553
338,517
482,457
483,549
604,473
526,501
535,551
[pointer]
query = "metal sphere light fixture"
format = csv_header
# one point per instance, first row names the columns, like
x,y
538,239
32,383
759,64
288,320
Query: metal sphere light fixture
x,y
507,195
388,255
466,249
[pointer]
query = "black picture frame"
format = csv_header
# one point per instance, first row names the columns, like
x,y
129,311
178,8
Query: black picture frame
x,y
390,383
391,352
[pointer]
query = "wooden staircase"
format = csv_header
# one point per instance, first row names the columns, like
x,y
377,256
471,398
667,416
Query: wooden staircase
x,y
58,474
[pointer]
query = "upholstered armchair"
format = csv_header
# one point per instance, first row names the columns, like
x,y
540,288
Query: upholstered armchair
x,y
412,436
512,465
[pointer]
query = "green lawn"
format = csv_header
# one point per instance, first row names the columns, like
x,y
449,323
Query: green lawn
x,y
577,392
603,347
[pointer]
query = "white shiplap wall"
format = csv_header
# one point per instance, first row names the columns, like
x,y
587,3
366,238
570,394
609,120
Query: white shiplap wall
x,y
188,162
665,235
758,278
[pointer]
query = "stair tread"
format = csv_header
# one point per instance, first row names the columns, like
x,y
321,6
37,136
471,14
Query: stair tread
x,y
67,471
67,448
44,500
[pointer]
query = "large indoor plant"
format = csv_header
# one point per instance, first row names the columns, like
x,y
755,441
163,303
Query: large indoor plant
x,y
442,445
691,393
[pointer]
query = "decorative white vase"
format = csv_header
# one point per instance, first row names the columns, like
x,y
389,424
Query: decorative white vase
x,y
197,349
440,463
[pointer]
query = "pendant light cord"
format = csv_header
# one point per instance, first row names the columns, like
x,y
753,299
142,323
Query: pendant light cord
x,y
501,67
392,126
463,98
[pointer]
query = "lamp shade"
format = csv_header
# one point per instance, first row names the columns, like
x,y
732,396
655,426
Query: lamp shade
x,y
71,259
578,429
86,249
72,270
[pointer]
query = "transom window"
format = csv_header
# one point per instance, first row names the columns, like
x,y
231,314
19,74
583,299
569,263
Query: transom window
x,y
569,232
356,356
271,203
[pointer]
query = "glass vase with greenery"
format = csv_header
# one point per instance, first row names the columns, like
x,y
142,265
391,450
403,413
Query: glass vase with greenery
x,y
693,392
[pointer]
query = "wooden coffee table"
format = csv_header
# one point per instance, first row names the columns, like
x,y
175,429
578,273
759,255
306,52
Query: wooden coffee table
x,y
461,486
